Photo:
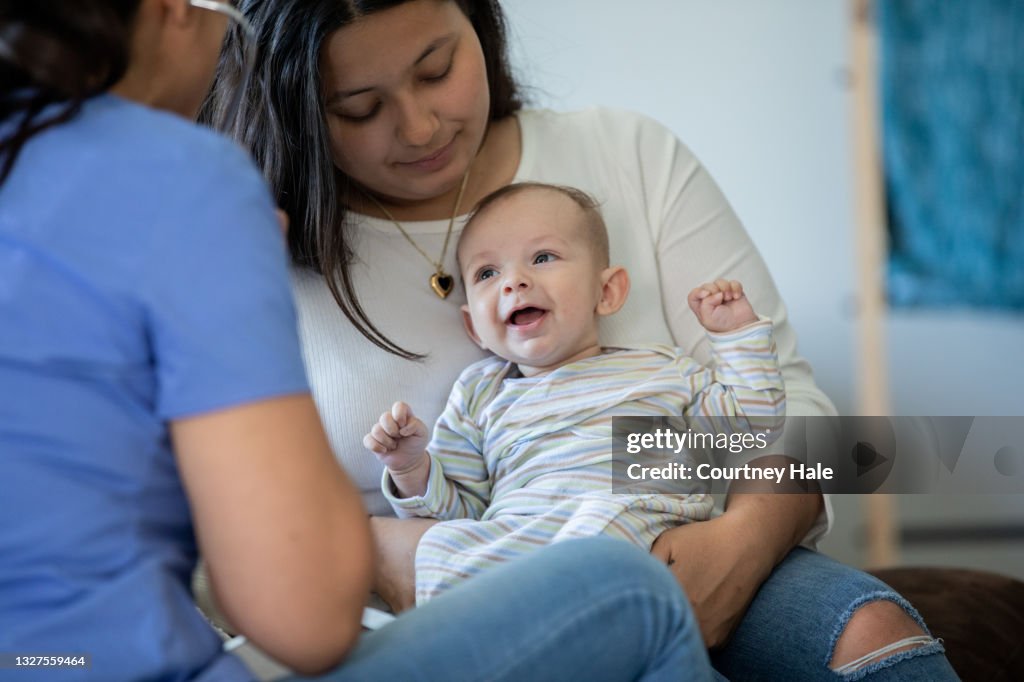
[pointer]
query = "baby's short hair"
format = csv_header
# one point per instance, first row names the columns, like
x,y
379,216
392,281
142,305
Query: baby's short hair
x,y
597,232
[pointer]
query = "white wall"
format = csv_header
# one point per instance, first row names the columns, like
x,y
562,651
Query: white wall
x,y
757,89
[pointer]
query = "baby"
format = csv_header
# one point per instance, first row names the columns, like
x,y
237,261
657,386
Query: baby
x,y
521,456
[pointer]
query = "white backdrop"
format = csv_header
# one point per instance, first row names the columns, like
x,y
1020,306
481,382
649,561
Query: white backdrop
x,y
757,88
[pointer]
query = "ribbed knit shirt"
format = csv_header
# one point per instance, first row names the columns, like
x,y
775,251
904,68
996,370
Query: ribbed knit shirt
x,y
668,224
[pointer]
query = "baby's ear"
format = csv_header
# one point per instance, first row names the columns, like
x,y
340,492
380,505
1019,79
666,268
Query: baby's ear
x,y
467,322
614,290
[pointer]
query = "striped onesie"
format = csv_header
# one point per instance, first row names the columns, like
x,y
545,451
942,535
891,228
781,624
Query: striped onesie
x,y
518,463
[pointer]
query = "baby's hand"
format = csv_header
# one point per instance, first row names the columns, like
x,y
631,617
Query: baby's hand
x,y
399,439
721,306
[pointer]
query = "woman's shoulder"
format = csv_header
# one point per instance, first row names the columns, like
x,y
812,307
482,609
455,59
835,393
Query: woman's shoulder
x,y
191,188
177,164
123,136
609,121
146,165
598,137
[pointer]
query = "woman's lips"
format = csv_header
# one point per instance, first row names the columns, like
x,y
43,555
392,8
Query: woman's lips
x,y
432,162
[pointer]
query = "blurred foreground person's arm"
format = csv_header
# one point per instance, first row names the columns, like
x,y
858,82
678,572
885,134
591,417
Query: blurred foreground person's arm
x,y
146,300
282,529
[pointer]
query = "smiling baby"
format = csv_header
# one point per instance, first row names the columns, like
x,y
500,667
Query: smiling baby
x,y
521,456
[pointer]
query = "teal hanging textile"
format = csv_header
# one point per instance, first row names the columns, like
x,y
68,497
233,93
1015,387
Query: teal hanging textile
x,y
952,78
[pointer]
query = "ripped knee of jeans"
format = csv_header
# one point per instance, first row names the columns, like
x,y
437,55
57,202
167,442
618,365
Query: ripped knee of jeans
x,y
892,636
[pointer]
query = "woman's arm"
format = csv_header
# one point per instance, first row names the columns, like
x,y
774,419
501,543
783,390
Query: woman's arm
x,y
721,563
282,530
699,238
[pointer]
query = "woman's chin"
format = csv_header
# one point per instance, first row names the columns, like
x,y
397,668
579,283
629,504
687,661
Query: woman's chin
x,y
418,188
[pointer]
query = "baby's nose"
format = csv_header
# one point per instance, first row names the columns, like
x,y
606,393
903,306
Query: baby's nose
x,y
516,282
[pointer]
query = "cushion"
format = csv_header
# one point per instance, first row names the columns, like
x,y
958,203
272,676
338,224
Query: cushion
x,y
979,616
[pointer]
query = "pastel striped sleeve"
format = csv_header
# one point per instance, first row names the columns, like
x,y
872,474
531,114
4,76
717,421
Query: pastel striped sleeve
x,y
459,485
745,382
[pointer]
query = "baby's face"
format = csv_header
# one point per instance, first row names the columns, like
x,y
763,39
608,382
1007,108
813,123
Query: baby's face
x,y
532,280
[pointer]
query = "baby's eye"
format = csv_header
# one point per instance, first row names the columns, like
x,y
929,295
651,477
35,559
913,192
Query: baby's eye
x,y
486,273
543,258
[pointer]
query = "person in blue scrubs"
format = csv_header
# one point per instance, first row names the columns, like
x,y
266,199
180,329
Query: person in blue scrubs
x,y
154,405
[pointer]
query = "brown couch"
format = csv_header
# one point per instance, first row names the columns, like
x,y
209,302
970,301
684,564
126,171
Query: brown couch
x,y
979,616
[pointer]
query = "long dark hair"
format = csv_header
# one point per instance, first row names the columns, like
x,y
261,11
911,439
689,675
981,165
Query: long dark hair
x,y
282,122
56,52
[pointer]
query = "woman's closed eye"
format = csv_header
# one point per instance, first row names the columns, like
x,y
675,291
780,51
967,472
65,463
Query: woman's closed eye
x,y
438,77
360,117
437,66
368,114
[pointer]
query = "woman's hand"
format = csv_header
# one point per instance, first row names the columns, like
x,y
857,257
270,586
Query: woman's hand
x,y
395,541
721,563
719,567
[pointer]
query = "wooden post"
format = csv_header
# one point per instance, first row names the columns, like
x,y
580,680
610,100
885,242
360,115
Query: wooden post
x,y
869,200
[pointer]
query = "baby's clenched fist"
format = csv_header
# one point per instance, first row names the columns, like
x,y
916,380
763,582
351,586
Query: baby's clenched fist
x,y
399,439
721,306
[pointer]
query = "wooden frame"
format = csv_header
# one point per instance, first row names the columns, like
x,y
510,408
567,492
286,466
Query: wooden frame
x,y
869,202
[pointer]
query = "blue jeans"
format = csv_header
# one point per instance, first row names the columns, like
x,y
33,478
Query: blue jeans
x,y
592,609
792,626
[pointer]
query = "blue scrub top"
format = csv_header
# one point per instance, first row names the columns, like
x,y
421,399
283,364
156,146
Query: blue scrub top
x,y
143,278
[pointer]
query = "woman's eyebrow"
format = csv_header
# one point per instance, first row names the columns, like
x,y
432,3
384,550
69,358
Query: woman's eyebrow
x,y
430,49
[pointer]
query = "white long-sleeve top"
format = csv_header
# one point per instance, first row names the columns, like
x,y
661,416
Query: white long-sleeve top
x,y
668,224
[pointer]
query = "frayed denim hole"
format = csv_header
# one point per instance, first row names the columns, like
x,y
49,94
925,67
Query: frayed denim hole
x,y
924,650
878,595
884,651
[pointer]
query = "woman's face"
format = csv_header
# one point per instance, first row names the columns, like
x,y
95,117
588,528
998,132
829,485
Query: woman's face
x,y
406,99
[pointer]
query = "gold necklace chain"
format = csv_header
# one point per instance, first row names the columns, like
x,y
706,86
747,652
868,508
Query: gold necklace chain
x,y
441,282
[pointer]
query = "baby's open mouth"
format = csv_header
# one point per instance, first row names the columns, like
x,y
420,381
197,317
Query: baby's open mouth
x,y
525,316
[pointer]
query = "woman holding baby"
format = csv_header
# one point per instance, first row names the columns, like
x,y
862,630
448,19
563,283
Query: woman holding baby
x,y
379,125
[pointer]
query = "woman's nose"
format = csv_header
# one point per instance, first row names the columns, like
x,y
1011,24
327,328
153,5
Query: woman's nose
x,y
417,123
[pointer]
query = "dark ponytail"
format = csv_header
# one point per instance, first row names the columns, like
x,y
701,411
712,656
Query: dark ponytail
x,y
56,52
